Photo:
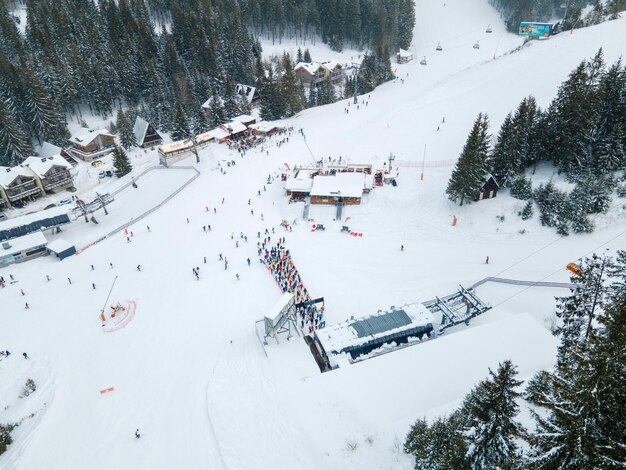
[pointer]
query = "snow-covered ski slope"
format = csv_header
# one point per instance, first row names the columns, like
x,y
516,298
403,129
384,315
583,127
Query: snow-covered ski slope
x,y
188,370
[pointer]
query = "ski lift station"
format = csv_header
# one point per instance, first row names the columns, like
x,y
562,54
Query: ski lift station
x,y
355,340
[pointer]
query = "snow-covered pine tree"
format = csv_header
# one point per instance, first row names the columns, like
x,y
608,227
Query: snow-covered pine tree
x,y
231,100
198,120
527,212
125,130
500,161
307,55
290,88
325,92
489,414
180,125
121,162
439,446
15,144
521,188
272,101
299,57
216,115
470,170
585,424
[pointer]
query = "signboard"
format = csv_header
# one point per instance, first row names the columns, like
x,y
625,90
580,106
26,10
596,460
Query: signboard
x,y
535,30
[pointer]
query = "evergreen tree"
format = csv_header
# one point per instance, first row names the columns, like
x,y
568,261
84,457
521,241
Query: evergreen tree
x,y
121,162
527,212
490,411
125,130
290,88
299,57
325,92
272,101
307,55
15,144
470,170
216,115
231,100
521,188
439,446
500,161
180,125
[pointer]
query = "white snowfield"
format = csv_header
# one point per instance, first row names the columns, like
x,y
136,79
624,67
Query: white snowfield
x,y
188,369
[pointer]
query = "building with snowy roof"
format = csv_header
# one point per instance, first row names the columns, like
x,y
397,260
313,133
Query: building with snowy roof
x,y
358,339
245,119
61,248
18,185
312,73
53,172
90,144
299,186
403,56
173,152
146,135
489,189
249,93
23,248
49,150
340,188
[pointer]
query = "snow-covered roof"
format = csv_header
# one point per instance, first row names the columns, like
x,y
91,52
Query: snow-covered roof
x,y
244,119
204,137
88,135
264,126
24,243
140,129
302,182
403,53
275,313
176,146
246,91
41,165
7,175
331,64
59,246
219,133
235,127
310,67
207,103
49,150
353,332
339,185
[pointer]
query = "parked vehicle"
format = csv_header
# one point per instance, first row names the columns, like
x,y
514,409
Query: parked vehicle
x,y
63,202
97,163
71,189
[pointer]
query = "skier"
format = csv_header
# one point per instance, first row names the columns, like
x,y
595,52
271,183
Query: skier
x,y
26,306
22,291
204,228
92,268
111,265
221,257
70,281
47,278
237,276
205,260
93,285
25,355
209,227
187,219
127,239
487,260
237,244
401,247
138,267
148,227
248,260
248,201
137,435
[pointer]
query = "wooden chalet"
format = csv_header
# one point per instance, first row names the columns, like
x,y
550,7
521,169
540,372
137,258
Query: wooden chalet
x,y
249,93
312,73
91,144
340,188
489,189
404,57
53,172
146,135
18,185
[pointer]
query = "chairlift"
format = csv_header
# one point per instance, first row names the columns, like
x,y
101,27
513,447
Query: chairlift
x,y
439,48
476,46
489,30
423,61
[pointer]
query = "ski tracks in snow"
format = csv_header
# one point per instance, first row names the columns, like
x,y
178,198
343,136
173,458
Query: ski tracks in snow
x,y
248,417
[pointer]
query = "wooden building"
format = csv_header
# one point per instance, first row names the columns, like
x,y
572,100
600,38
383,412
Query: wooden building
x,y
404,57
489,189
312,73
53,172
340,188
91,144
18,185
249,93
146,135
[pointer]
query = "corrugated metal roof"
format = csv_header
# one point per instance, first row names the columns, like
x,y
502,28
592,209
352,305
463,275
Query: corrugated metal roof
x,y
378,324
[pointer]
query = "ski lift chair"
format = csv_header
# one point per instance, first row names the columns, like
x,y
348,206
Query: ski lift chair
x,y
488,30
439,48
423,61
476,46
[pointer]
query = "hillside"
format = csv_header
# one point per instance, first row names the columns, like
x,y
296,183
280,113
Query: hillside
x,y
189,371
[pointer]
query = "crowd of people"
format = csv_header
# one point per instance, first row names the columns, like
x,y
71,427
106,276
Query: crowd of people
x,y
278,261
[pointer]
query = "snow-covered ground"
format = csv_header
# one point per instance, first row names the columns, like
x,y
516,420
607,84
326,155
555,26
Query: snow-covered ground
x,y
189,371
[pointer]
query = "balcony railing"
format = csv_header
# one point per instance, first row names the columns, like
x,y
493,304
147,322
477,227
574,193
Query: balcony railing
x,y
50,183
21,191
